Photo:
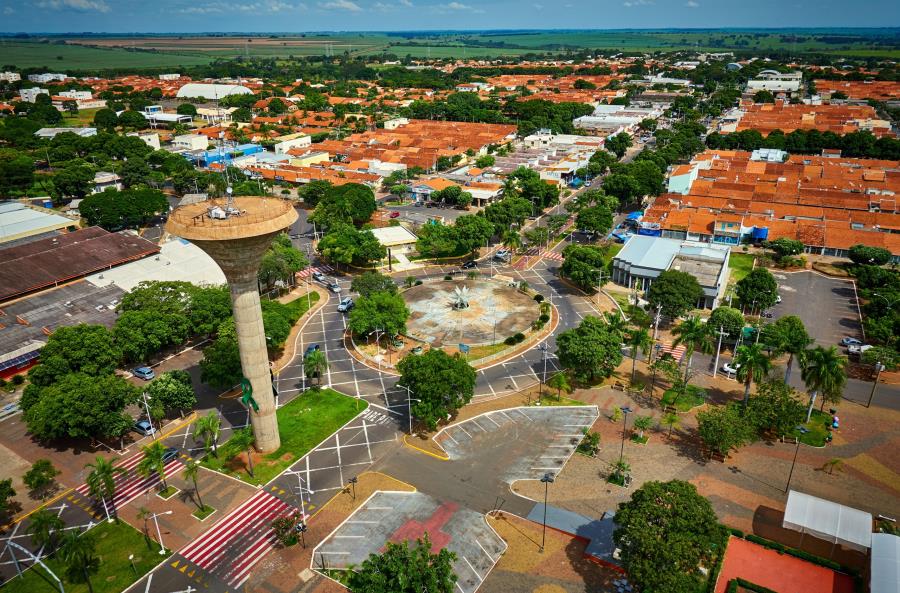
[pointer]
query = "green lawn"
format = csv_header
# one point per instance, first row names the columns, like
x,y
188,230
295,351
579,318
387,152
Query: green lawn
x,y
818,429
65,58
114,544
693,397
303,423
740,265
549,399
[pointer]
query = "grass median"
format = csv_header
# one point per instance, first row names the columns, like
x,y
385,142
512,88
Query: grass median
x,y
303,423
115,542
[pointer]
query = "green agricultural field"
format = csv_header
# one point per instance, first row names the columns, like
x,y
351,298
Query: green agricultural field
x,y
65,58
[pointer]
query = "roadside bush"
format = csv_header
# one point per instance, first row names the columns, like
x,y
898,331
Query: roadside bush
x,y
18,380
510,341
519,337
448,277
537,325
544,318
539,298
590,444
418,283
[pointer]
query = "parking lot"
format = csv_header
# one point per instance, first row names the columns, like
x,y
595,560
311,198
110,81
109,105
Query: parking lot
x,y
400,516
827,306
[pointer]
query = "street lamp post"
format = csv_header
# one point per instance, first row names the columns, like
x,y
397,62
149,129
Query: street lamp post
x,y
656,321
353,482
149,419
543,348
625,410
722,333
793,463
546,480
878,368
162,548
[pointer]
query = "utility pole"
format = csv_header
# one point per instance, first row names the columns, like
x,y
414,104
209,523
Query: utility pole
x,y
878,368
656,322
722,333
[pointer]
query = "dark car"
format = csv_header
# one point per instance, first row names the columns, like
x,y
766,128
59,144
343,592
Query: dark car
x,y
170,454
310,349
469,265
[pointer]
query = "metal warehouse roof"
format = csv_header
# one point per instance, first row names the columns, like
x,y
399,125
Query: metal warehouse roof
x,y
18,220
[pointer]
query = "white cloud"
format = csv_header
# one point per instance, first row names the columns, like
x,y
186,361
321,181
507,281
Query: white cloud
x,y
268,6
9,10
406,3
389,7
347,5
538,6
458,7
632,3
79,5
692,4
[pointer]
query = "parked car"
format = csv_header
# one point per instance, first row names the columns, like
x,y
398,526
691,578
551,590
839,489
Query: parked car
x,y
858,348
417,350
848,341
417,203
310,349
143,427
345,305
320,277
395,214
502,255
170,454
334,287
730,368
777,299
145,373
470,265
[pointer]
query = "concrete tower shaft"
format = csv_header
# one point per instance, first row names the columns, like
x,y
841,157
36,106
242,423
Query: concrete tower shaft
x,y
237,243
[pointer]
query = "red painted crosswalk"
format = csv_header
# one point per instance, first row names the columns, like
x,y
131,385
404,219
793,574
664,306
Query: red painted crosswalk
x,y
236,543
130,484
308,271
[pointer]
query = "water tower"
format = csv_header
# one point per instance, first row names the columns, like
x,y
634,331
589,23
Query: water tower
x,y
236,234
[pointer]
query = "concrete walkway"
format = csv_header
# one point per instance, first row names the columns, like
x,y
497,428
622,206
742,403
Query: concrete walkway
x,y
597,532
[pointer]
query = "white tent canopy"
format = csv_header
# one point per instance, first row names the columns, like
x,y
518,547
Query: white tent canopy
x,y
885,563
828,520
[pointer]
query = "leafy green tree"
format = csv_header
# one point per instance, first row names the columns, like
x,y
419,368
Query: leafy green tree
x,y
642,423
871,256
6,494
787,335
775,408
622,186
752,364
402,568
595,218
206,430
386,311
106,119
187,109
16,171
667,532
485,161
173,390
78,405
245,439
141,334
694,335
135,171
442,383
675,293
371,282
824,373
41,477
315,364
511,211
280,262
314,192
560,382
671,420
351,203
345,245
101,481
79,554
132,120
472,231
153,462
784,247
589,350
43,527
583,264
723,428
757,290
73,181
638,340
221,364
728,320
763,96
512,240
114,210
618,144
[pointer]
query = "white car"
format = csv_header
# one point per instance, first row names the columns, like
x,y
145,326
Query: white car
x,y
848,341
730,368
777,299
858,348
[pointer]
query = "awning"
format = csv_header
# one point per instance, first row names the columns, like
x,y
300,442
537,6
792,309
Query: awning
x,y
828,520
885,576
634,215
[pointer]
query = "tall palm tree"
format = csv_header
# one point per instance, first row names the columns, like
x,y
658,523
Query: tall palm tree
x,y
560,382
43,527
512,239
206,430
791,338
823,371
244,439
510,187
153,462
694,335
616,322
315,364
191,471
638,339
79,553
752,365
144,515
101,481
671,420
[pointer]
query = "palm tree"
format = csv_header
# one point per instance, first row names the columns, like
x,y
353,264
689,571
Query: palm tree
x,y
752,365
101,481
823,371
638,339
191,471
244,439
560,382
315,364
833,464
79,553
512,239
694,335
144,514
510,187
42,528
616,322
206,429
642,423
671,420
153,462
791,338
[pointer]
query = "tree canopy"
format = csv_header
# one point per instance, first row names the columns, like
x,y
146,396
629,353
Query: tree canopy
x,y
115,210
344,244
592,349
370,282
442,382
583,264
351,203
402,568
757,290
382,310
675,292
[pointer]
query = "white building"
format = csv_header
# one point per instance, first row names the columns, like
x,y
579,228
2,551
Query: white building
x,y
211,91
80,95
776,82
10,76
104,180
613,119
30,95
155,116
215,115
150,139
49,133
393,124
47,77
287,143
474,87
396,238
190,142
169,76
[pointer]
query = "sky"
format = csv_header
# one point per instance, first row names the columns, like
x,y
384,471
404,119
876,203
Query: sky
x,y
195,16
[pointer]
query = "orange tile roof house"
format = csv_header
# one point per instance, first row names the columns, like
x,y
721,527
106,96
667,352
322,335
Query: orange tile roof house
x,y
840,119
827,202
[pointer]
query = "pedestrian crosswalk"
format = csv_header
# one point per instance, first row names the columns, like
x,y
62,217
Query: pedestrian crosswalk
x,y
236,543
675,352
129,484
308,271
